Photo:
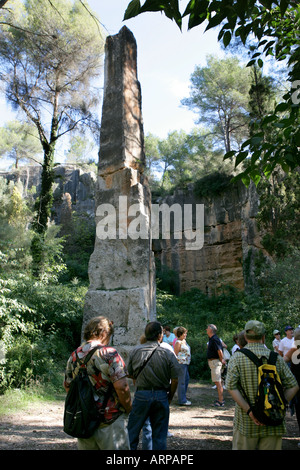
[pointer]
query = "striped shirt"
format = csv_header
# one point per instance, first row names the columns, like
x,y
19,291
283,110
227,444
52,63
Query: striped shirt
x,y
242,370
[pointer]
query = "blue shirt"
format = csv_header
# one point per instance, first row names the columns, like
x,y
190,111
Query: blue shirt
x,y
169,339
214,345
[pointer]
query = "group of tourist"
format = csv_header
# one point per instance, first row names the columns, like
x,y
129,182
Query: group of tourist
x,y
159,366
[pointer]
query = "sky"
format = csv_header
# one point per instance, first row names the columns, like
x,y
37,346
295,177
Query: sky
x,y
166,59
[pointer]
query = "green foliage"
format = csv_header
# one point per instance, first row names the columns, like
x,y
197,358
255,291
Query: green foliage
x,y
167,279
274,25
212,185
181,159
80,150
279,214
51,54
262,96
219,95
40,319
15,236
19,141
78,247
40,325
48,254
281,290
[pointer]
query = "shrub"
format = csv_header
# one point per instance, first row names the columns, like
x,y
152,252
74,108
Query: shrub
x,y
212,184
40,326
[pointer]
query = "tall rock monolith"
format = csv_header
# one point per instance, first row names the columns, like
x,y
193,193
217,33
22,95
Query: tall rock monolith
x,y
121,268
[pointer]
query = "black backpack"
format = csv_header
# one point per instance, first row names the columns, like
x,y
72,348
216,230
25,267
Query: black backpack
x,y
270,403
81,415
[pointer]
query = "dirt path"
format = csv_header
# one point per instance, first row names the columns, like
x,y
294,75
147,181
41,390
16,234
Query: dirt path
x,y
198,427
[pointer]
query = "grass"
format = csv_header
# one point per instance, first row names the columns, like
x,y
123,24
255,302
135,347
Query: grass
x,y
19,399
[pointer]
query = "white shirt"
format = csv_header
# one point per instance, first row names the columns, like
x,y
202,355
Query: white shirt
x,y
235,347
275,343
167,346
285,345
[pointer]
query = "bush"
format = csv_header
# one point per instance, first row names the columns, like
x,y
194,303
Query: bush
x,y
167,279
40,326
212,185
79,244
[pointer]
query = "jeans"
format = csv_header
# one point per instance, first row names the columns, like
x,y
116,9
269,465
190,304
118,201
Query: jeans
x,y
183,382
147,435
152,404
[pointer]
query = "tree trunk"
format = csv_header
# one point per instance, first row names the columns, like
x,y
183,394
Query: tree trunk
x,y
45,200
43,208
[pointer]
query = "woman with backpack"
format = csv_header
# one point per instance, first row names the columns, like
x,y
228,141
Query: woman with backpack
x,y
107,374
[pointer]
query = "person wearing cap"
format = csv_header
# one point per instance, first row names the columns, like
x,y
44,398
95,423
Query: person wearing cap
x,y
276,340
248,432
286,343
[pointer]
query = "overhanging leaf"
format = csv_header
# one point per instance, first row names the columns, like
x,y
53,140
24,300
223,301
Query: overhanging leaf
x,y
227,38
255,176
198,11
132,10
241,156
229,154
256,140
281,107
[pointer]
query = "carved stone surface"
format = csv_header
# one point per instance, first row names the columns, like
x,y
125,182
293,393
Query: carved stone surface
x,y
121,270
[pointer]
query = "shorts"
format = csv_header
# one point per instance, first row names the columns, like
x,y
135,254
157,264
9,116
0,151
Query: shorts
x,y
216,368
111,437
241,442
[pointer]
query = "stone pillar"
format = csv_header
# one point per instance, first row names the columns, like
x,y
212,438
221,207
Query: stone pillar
x,y
121,268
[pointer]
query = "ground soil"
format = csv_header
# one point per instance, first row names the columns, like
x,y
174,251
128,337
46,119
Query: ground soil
x,y
198,427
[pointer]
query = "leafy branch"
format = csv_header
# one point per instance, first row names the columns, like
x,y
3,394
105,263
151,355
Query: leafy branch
x,y
275,25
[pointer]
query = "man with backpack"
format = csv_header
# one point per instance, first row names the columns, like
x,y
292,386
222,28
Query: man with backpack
x,y
243,383
102,373
155,371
